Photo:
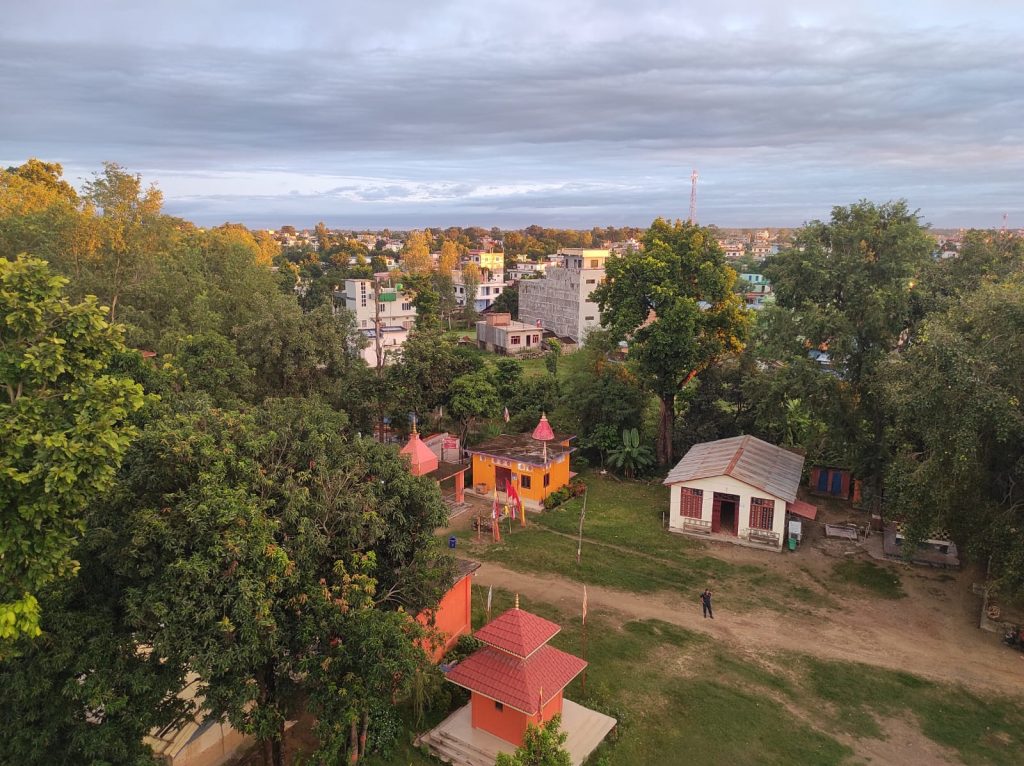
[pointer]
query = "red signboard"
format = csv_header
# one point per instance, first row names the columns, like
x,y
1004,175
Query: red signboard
x,y
450,442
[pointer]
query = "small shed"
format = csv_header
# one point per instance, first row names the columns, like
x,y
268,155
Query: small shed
x,y
830,481
740,489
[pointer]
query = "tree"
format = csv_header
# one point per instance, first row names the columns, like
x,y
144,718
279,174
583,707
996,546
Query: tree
x,y
65,424
472,397
954,400
449,258
508,301
471,279
630,456
674,303
848,287
542,746
416,254
261,545
551,360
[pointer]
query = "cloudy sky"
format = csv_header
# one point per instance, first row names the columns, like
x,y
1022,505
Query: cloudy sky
x,y
559,112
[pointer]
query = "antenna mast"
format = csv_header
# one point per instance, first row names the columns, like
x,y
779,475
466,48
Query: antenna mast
x,y
693,197
1003,230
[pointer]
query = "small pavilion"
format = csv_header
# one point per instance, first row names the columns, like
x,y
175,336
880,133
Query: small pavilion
x,y
535,464
423,462
515,679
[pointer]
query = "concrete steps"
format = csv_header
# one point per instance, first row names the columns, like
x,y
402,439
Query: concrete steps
x,y
454,751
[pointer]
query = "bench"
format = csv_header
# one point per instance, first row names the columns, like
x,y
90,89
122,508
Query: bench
x,y
696,525
763,536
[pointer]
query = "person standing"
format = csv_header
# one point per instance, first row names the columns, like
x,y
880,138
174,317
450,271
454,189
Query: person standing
x,y
705,601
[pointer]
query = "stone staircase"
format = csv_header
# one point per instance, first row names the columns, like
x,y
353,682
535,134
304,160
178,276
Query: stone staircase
x,y
455,751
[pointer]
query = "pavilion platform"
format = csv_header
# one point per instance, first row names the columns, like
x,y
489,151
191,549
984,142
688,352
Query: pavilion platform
x,y
455,741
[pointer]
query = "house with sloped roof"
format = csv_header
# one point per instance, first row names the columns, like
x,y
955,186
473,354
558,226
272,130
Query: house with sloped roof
x,y
740,489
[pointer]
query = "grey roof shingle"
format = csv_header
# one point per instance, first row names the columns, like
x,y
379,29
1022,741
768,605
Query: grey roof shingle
x,y
745,458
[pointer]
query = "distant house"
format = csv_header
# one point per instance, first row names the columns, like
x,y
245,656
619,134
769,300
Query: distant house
x,y
759,290
739,489
500,334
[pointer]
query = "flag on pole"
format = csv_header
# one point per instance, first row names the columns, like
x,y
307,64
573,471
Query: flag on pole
x,y
584,604
490,592
506,414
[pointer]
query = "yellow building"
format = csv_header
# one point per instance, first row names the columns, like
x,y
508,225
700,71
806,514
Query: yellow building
x,y
494,262
534,464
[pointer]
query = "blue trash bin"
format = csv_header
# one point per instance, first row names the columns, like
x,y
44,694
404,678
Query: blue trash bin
x,y
452,541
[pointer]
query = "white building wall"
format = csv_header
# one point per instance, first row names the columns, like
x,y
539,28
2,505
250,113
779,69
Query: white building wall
x,y
728,486
359,299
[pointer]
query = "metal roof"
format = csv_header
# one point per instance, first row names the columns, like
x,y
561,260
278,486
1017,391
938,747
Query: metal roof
x,y
745,458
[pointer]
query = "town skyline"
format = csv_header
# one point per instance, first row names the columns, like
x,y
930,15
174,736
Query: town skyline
x,y
519,114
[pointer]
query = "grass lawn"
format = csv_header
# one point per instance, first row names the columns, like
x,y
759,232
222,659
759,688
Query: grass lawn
x,y
626,518
881,581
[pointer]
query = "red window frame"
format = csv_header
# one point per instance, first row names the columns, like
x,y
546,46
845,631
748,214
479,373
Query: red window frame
x,y
691,502
762,513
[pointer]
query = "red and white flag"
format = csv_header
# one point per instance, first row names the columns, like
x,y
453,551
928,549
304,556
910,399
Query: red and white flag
x,y
506,414
584,604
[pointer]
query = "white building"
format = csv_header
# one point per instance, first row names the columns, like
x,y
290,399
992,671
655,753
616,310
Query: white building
x,y
758,292
383,309
560,301
527,270
492,284
739,489
500,334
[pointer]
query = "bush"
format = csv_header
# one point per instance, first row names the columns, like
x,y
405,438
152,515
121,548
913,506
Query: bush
x,y
571,490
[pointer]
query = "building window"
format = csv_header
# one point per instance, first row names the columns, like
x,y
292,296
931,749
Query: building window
x,y
691,502
762,513
591,281
498,706
383,307
514,340
524,481
588,319
594,263
406,307
547,479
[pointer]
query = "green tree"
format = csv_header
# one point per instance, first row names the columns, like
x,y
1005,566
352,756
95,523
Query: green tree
x,y
542,746
64,421
674,303
848,287
471,279
955,400
473,397
508,301
551,359
260,545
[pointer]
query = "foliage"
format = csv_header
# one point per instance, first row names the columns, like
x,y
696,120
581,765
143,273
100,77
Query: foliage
x,y
507,301
473,397
551,359
561,495
416,254
965,366
64,425
542,746
847,286
631,457
674,303
471,279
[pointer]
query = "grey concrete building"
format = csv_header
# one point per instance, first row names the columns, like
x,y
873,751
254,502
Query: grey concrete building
x,y
560,301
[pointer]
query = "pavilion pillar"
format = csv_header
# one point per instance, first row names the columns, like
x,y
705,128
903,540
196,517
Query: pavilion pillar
x,y
460,485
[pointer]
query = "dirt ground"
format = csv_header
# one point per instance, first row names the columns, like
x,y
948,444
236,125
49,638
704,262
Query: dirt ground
x,y
932,632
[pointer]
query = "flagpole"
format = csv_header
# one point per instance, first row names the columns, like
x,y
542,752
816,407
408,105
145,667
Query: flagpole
x,y
583,680
579,543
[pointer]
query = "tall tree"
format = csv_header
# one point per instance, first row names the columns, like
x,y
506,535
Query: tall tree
x,y
674,303
848,287
65,428
449,258
416,254
471,278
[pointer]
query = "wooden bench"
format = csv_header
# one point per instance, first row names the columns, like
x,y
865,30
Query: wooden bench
x,y
696,525
763,536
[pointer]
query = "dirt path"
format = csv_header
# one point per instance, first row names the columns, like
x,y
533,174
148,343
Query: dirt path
x,y
894,634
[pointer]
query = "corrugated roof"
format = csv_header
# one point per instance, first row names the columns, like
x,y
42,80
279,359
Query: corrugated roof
x,y
745,458
517,682
518,632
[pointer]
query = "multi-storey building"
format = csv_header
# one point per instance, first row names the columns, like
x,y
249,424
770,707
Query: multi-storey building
x,y
560,301
487,260
492,284
382,311
758,290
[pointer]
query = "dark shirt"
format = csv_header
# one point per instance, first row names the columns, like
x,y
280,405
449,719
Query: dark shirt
x,y
706,598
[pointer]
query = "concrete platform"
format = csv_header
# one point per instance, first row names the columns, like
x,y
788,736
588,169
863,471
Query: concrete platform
x,y
455,741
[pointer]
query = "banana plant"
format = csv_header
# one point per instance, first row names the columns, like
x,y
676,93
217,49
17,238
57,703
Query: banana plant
x,y
632,457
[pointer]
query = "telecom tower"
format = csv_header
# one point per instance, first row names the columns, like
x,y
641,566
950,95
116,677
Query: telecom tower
x,y
693,197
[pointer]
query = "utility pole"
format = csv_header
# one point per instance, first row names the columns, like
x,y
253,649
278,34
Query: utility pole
x,y
378,345
693,196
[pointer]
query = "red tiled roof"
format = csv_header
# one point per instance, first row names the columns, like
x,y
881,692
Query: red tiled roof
x,y
518,632
514,681
800,508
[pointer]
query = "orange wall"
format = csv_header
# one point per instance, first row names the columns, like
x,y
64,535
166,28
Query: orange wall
x,y
483,473
508,724
452,618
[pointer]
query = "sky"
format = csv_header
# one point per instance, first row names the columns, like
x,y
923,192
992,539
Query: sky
x,y
394,113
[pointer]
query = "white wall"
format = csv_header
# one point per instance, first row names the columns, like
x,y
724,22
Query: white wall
x,y
728,486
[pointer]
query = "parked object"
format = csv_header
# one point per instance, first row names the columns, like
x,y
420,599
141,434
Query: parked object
x,y
845,531
1015,638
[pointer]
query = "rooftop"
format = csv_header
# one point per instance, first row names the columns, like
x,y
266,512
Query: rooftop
x,y
523,448
745,458
518,632
522,684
